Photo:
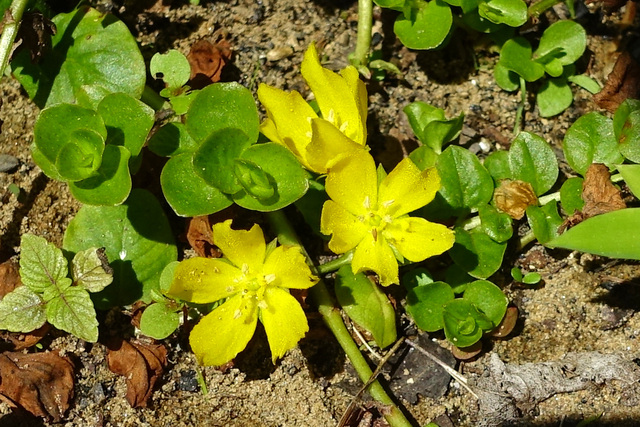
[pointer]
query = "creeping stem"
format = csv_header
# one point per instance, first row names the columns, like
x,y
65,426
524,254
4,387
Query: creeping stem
x,y
363,41
331,315
11,24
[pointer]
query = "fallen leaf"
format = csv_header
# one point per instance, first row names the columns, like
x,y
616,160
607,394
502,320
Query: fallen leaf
x,y
514,197
35,34
40,383
140,363
200,237
9,277
598,192
622,83
207,61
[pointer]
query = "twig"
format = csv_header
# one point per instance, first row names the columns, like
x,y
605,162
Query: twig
x,y
12,19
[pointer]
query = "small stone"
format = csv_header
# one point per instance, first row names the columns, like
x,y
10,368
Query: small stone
x,y
8,163
278,53
188,381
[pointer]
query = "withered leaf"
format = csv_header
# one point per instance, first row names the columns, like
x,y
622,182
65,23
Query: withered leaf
x,y
207,61
513,197
9,277
40,383
622,83
140,363
35,34
200,237
599,194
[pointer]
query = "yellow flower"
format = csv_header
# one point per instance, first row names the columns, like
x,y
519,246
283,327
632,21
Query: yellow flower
x,y
372,217
254,282
318,142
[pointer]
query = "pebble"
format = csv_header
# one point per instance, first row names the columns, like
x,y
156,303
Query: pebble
x,y
8,163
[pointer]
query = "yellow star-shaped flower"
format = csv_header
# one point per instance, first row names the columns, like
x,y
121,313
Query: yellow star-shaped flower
x,y
372,217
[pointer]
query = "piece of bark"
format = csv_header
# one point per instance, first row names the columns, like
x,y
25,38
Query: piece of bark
x,y
140,363
622,83
40,383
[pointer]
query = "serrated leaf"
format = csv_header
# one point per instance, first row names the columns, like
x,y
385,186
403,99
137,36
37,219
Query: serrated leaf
x,y
90,269
426,304
532,160
366,305
42,265
159,321
51,292
73,312
590,139
22,310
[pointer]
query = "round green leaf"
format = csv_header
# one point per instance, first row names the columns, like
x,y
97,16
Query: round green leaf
x,y
590,140
544,221
571,195
417,277
476,253
426,27
532,160
509,12
488,298
461,323
497,163
186,192
515,56
505,78
128,121
565,40
553,97
426,303
255,181
159,321
137,239
626,125
80,156
172,67
172,139
89,48
496,225
220,106
282,169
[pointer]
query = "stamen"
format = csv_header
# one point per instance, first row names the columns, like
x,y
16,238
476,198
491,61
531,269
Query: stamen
x,y
245,268
343,126
388,203
331,116
237,314
374,233
263,304
367,203
269,278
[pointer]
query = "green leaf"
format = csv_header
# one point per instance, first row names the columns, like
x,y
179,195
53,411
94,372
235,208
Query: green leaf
x,y
585,82
554,96
462,322
431,126
424,25
531,278
544,221
626,126
571,195
613,234
515,56
457,278
186,192
255,181
565,40
137,239
496,225
466,184
509,12
476,253
22,310
73,312
426,305
158,321
111,183
631,175
71,138
282,169
166,278
424,157
172,139
172,67
83,54
220,106
366,305
90,270
497,163
488,298
417,277
590,139
505,78
42,265
532,160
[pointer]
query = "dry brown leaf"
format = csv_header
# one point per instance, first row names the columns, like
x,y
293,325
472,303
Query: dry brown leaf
x,y
207,61
599,194
200,237
9,277
514,197
622,83
140,363
40,383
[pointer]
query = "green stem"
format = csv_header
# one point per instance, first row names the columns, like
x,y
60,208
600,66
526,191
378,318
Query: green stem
x,y
537,8
363,41
152,99
520,111
332,318
335,264
10,30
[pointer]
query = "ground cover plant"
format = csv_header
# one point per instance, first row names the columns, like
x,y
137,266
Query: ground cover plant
x,y
423,238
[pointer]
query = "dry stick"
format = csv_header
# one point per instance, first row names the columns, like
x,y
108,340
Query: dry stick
x,y
455,374
356,398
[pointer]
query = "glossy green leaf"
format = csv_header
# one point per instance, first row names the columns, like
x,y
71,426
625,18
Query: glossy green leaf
x,y
626,126
462,322
128,121
417,277
590,139
431,126
532,160
515,56
22,310
424,157
488,298
457,278
172,139
254,180
166,277
631,175
585,82
613,234
571,195
505,78
509,12
220,106
73,312
553,97
476,253
83,55
111,183
565,40
496,225
42,264
426,304
282,169
544,221
424,25
366,305
158,321
90,270
497,163
172,67
137,239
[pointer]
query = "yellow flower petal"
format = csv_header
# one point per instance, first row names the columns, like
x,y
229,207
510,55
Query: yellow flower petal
x,y
407,188
241,246
335,96
375,254
328,146
289,267
359,92
284,321
204,280
268,129
418,239
353,183
224,332
346,228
